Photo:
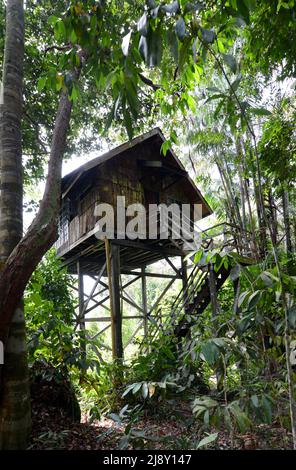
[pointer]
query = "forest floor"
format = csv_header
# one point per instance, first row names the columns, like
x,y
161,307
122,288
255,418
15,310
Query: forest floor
x,y
52,429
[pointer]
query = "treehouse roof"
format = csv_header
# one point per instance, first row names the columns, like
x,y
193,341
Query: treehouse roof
x,y
148,143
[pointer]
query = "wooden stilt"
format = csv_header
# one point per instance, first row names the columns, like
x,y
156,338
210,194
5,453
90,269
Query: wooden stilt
x,y
144,301
184,275
113,270
81,314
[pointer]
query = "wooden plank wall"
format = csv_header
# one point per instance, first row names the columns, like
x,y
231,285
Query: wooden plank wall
x,y
118,177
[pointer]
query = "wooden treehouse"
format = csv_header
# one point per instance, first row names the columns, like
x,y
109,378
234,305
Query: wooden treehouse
x,y
138,171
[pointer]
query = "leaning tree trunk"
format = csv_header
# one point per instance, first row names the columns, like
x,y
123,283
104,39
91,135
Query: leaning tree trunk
x,y
15,416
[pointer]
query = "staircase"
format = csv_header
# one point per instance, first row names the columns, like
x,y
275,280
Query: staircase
x,y
191,301
195,303
202,284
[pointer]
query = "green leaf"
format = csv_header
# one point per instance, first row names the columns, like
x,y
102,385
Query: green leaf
x,y
230,61
243,10
208,36
240,417
254,299
215,97
266,279
207,440
126,42
292,316
236,82
242,298
210,352
132,97
180,29
165,147
142,25
193,6
151,4
250,4
260,111
198,255
41,83
115,417
145,390
255,401
244,323
136,387
128,390
267,409
75,93
52,20
128,123
60,29
171,8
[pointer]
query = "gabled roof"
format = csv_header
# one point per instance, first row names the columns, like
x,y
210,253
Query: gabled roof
x,y
154,135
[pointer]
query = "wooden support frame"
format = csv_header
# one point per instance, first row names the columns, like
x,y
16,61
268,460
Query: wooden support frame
x,y
112,296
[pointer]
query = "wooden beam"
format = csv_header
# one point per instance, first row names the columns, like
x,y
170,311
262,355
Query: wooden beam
x,y
113,269
177,270
101,332
81,318
140,324
184,274
161,295
132,303
148,274
90,297
162,250
144,301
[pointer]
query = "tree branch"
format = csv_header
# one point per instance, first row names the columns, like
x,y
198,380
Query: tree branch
x,y
149,82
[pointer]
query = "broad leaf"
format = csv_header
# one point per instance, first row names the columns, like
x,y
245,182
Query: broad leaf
x,y
180,29
171,8
208,36
230,61
260,111
126,42
207,440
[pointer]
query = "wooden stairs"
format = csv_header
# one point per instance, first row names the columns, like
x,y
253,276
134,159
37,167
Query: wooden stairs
x,y
202,283
196,303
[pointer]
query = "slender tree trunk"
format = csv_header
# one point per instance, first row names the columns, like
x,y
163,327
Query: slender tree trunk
x,y
229,199
230,186
260,214
254,246
241,181
273,217
15,416
285,202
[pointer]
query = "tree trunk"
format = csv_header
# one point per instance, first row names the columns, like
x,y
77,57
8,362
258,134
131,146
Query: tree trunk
x,y
42,233
286,215
20,256
273,217
15,416
260,214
